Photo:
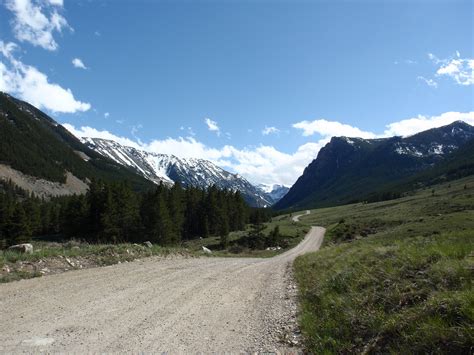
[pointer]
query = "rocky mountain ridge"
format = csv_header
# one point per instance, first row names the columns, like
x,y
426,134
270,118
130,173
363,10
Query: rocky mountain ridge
x,y
348,169
169,169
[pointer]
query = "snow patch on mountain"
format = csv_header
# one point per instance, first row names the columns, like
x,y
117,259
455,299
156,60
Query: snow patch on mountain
x,y
168,169
275,191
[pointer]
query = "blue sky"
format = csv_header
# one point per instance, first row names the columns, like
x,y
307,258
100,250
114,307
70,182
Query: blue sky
x,y
255,86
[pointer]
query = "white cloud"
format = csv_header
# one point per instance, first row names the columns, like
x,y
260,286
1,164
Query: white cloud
x,y
461,70
78,63
212,126
404,127
421,123
262,164
266,164
106,114
35,21
331,128
270,130
33,86
94,133
429,82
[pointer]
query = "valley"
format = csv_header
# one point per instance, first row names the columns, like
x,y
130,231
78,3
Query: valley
x,y
129,247
237,177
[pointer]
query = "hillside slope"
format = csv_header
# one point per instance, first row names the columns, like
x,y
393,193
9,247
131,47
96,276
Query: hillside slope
x,y
348,169
392,276
34,144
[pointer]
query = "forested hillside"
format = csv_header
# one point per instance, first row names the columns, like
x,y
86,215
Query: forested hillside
x,y
33,143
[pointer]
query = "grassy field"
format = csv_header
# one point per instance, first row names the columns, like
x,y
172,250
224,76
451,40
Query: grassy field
x,y
291,234
394,276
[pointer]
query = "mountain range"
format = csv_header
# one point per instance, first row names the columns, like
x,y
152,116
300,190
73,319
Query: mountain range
x,y
169,169
351,169
43,157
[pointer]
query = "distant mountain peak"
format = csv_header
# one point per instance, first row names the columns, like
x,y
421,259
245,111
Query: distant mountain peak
x,y
168,168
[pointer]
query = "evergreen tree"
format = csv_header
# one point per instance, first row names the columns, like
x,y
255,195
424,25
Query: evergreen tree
x,y
274,237
175,205
155,217
256,237
74,217
18,229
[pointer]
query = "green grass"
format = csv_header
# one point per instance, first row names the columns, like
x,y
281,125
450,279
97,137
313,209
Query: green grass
x,y
291,232
392,277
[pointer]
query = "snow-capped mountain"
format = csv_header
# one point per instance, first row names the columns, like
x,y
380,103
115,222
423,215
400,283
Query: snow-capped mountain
x,y
170,169
275,191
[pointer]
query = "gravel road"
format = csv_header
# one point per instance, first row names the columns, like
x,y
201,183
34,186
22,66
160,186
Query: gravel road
x,y
157,305
297,217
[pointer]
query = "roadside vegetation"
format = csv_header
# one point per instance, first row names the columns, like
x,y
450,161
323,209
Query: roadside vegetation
x,y
257,240
394,276
83,240
52,258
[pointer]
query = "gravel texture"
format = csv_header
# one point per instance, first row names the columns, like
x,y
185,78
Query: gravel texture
x,y
209,305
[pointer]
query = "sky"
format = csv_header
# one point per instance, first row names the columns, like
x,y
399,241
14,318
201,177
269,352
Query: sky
x,y
256,86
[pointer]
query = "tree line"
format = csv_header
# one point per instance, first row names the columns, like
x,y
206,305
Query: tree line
x,y
111,212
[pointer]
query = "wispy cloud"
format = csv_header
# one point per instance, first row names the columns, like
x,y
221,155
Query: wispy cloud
x,y
406,61
270,130
189,130
135,129
106,114
78,63
212,126
33,86
35,21
461,70
429,82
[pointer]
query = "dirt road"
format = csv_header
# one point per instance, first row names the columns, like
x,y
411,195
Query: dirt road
x,y
297,217
156,305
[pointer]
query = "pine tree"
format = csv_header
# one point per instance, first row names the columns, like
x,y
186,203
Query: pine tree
x,y
175,205
18,229
155,216
74,217
128,216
